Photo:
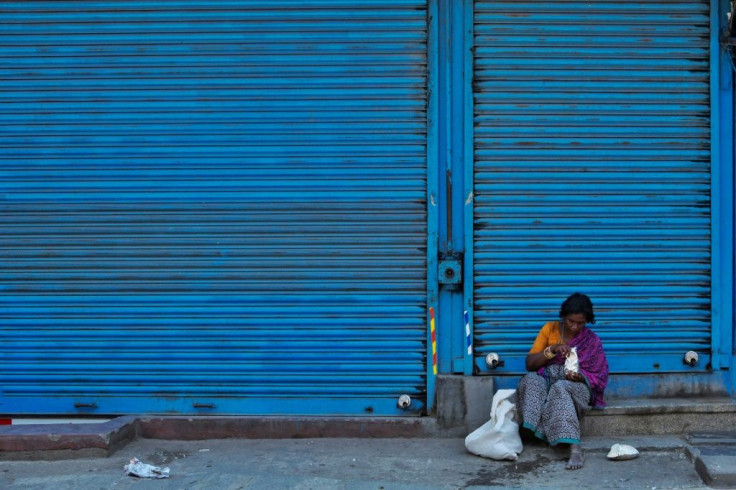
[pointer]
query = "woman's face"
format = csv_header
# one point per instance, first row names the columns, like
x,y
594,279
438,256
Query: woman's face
x,y
574,323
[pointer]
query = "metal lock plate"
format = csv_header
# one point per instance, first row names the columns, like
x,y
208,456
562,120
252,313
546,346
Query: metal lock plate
x,y
450,271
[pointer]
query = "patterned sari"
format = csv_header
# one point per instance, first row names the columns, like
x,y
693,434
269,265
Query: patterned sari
x,y
550,405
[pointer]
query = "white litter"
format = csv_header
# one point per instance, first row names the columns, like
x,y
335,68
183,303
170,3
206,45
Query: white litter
x,y
571,362
622,452
143,470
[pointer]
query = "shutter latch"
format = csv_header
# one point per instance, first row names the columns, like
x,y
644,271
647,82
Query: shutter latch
x,y
450,270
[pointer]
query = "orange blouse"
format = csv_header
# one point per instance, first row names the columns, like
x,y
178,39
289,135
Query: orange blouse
x,y
549,335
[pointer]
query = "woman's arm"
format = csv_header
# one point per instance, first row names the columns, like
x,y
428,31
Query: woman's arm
x,y
541,359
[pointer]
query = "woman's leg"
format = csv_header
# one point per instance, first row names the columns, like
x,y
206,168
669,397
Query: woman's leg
x,y
531,397
576,458
560,417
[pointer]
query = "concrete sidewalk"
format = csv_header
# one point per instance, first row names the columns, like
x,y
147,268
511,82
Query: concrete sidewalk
x,y
361,463
682,445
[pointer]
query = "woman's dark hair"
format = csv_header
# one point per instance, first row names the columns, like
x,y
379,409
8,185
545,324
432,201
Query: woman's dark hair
x,y
578,303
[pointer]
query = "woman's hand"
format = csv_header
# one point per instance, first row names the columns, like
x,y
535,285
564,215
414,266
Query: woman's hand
x,y
541,359
573,376
563,349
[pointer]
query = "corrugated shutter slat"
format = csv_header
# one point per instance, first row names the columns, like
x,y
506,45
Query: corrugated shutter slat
x,y
219,203
592,174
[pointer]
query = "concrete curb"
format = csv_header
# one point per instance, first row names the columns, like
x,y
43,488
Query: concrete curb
x,y
659,417
714,455
61,441
67,441
200,428
718,471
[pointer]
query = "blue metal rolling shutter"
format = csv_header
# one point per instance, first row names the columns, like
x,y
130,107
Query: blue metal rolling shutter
x,y
592,174
213,206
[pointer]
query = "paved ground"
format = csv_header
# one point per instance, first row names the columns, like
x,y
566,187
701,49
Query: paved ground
x,y
379,464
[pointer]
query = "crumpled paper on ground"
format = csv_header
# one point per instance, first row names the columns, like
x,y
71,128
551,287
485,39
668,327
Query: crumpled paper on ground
x,y
143,470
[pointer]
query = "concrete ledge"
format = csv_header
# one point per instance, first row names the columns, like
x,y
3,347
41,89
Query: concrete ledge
x,y
61,441
650,406
64,441
714,455
199,428
659,417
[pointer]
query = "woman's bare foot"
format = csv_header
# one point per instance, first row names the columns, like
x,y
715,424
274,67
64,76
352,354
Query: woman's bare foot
x,y
576,458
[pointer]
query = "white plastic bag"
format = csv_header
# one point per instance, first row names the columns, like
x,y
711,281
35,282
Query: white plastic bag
x,y
499,437
571,361
143,470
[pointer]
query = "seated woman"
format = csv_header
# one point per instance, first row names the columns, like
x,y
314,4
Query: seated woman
x,y
551,399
